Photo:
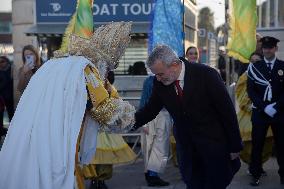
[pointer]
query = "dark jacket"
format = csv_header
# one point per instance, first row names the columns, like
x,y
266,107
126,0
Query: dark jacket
x,y
256,90
206,110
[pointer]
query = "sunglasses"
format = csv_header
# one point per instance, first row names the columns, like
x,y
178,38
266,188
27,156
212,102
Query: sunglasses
x,y
2,61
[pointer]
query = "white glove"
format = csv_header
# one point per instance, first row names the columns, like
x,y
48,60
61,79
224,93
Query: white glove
x,y
269,110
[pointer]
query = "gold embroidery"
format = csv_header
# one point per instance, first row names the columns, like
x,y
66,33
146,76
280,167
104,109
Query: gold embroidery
x,y
104,112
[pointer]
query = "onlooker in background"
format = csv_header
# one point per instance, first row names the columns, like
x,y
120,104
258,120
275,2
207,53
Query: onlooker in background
x,y
138,68
222,64
266,91
258,44
156,135
192,54
6,92
31,63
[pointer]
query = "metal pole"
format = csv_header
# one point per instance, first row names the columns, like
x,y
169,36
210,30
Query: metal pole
x,y
183,28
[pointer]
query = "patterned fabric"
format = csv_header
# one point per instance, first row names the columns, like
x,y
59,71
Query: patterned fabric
x,y
242,37
167,27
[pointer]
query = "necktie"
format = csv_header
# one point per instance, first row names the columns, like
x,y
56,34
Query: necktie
x,y
179,89
269,64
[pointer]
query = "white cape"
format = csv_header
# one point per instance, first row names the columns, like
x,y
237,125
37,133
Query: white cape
x,y
39,150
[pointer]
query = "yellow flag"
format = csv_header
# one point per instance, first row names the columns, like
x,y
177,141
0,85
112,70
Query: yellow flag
x,y
242,34
81,22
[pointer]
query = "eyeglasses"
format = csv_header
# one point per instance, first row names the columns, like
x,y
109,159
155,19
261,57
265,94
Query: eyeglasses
x,y
2,61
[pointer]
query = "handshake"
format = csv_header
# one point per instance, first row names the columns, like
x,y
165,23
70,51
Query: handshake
x,y
270,110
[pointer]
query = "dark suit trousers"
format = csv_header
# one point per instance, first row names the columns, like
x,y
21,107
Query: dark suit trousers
x,y
259,132
9,105
203,168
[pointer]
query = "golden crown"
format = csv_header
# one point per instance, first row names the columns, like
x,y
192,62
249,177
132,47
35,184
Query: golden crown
x,y
108,43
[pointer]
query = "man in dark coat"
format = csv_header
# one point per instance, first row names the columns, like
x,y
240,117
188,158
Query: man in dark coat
x,y
265,87
205,124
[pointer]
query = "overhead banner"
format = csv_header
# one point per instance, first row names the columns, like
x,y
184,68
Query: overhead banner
x,y
60,11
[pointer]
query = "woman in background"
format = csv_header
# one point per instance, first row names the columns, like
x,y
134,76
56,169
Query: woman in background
x,y
31,63
192,54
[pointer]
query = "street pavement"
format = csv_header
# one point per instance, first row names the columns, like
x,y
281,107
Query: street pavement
x,y
131,176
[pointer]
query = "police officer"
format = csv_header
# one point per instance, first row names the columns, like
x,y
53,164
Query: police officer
x,y
265,87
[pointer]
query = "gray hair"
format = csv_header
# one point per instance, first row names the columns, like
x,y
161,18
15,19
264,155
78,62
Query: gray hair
x,y
163,53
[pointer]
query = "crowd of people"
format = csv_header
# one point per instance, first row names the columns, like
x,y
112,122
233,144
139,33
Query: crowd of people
x,y
71,128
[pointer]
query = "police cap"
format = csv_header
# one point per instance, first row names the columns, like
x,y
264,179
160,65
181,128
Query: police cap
x,y
269,42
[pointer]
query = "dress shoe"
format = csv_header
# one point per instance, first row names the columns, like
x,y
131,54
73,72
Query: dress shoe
x,y
93,185
98,184
254,181
155,181
282,180
263,173
102,184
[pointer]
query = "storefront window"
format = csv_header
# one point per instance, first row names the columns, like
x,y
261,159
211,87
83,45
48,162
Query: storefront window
x,y
189,34
136,52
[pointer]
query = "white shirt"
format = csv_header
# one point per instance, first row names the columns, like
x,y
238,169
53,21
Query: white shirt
x,y
272,61
181,75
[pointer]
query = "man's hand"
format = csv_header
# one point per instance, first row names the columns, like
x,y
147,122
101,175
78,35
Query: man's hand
x,y
234,155
269,110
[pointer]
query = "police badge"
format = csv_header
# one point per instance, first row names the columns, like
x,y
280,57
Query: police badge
x,y
280,72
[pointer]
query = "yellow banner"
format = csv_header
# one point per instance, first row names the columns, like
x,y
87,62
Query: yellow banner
x,y
242,34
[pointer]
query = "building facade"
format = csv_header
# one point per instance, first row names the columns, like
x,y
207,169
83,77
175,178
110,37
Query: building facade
x,y
271,21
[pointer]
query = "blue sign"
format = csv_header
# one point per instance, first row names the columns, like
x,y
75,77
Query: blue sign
x,y
60,11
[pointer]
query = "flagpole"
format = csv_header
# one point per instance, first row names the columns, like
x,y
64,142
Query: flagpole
x,y
183,28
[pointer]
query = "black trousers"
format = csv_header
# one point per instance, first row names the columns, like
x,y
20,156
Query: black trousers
x,y
9,105
203,166
259,132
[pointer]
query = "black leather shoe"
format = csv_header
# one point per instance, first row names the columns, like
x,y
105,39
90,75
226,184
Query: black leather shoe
x,y
263,173
102,184
254,181
155,181
94,185
282,180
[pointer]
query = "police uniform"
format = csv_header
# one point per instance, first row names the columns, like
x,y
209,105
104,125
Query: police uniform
x,y
265,87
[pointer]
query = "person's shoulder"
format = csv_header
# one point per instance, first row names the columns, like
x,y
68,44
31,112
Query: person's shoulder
x,y
258,63
201,67
280,61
